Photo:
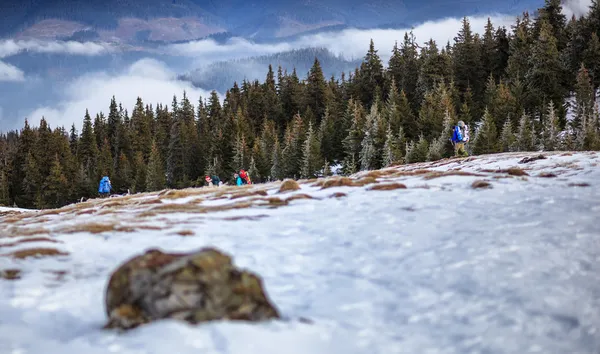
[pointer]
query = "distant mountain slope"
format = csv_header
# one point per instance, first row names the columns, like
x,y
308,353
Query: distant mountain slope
x,y
177,20
221,75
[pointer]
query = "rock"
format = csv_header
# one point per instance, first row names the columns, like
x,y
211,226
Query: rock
x,y
289,185
481,184
515,171
388,187
193,287
532,158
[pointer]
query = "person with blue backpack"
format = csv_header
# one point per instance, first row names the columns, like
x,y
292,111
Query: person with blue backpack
x,y
105,187
460,136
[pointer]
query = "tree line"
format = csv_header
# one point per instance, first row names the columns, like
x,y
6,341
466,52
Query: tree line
x,y
522,90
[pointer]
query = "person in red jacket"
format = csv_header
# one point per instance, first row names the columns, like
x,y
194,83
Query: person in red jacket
x,y
245,177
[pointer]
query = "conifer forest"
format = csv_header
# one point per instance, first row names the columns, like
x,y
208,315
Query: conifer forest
x,y
528,88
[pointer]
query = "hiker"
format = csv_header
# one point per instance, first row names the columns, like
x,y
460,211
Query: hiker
x,y
213,181
105,187
460,137
244,175
238,180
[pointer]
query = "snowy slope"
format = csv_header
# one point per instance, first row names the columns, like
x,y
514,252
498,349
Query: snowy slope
x,y
438,267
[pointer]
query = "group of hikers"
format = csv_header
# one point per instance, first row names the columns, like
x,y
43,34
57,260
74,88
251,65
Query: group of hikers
x,y
240,178
460,136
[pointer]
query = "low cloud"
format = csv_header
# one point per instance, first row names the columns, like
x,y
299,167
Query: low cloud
x,y
576,7
350,43
147,78
11,47
10,73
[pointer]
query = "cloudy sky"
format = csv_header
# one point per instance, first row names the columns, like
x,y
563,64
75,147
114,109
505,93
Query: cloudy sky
x,y
154,80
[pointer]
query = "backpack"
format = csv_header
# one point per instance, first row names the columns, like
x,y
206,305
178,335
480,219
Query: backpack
x,y
104,186
457,135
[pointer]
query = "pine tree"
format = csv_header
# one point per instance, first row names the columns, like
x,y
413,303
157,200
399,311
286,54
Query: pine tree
x,y
253,171
277,172
417,152
545,77
591,59
370,79
316,91
584,100
124,176
519,51
525,136
507,137
486,140
4,188
55,186
468,65
311,154
436,149
391,151
155,176
367,152
241,158
551,129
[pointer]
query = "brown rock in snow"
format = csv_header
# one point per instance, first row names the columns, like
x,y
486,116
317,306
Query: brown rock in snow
x,y
194,287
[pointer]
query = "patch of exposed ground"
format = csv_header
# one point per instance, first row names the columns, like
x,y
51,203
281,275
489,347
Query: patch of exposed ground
x,y
36,252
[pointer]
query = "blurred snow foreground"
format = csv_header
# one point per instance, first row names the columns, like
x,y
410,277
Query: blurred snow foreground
x,y
494,253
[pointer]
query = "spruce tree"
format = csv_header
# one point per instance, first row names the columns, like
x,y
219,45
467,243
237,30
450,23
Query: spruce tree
x,y
467,63
55,186
584,100
4,188
311,154
277,172
507,137
367,152
526,134
591,59
486,140
545,77
391,151
550,129
417,152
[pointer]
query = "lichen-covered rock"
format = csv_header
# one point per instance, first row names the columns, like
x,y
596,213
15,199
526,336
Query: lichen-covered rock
x,y
194,287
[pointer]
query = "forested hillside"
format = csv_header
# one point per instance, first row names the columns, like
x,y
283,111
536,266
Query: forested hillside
x,y
220,75
513,88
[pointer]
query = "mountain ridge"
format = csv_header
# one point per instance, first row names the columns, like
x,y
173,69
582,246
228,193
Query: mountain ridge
x,y
183,20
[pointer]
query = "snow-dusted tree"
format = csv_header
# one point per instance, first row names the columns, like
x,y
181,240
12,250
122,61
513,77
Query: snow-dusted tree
x,y
242,155
589,139
277,172
436,149
507,137
584,100
444,140
253,171
391,150
367,152
350,166
417,152
550,131
526,134
327,169
486,141
311,154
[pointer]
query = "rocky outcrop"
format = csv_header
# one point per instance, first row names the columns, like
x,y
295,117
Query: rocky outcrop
x,y
194,287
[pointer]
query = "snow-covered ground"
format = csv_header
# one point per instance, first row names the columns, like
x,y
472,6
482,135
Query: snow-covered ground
x,y
438,267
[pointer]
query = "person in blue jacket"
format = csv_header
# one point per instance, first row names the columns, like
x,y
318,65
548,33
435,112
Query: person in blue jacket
x,y
238,180
460,136
105,187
